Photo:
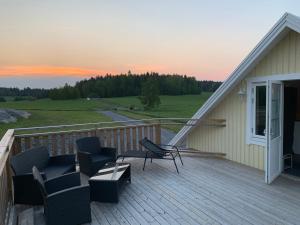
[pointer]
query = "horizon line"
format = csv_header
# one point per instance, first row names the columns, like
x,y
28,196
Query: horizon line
x,y
78,72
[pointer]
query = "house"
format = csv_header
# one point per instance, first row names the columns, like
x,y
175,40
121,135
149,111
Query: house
x,y
253,116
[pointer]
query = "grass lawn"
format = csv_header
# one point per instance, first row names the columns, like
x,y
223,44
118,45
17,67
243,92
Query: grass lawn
x,y
47,112
171,106
183,106
49,105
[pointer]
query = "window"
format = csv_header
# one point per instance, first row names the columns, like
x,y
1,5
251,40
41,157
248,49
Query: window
x,y
260,110
257,109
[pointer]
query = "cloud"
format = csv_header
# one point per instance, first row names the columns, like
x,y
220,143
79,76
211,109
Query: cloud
x,y
6,71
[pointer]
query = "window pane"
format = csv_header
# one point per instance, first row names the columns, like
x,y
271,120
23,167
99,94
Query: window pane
x,y
275,110
260,110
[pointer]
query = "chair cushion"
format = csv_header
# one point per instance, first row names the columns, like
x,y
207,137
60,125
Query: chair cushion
x,y
101,158
52,171
89,144
23,162
99,161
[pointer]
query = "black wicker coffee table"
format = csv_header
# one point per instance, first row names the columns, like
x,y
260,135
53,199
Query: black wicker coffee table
x,y
106,184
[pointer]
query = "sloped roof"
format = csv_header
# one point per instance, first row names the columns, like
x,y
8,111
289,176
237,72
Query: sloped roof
x,y
286,23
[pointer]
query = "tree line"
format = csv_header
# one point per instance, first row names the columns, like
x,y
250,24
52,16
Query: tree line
x,y
118,86
25,92
131,85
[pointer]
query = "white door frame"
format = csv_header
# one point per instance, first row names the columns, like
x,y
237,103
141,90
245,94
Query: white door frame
x,y
278,77
268,178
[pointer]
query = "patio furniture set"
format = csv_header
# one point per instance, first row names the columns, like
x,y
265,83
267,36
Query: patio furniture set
x,y
52,181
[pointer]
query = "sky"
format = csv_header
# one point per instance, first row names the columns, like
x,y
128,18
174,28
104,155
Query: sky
x,y
48,43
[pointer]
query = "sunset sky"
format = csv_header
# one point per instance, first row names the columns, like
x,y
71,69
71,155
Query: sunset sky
x,y
47,43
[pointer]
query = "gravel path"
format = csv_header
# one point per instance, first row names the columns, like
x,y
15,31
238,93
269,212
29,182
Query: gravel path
x,y
166,135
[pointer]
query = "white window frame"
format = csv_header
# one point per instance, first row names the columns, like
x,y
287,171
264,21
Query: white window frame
x,y
252,138
262,79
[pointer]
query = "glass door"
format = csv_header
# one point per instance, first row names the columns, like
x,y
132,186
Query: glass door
x,y
274,131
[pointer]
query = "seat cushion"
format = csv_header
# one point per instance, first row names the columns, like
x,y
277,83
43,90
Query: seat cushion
x,y
57,170
99,161
101,158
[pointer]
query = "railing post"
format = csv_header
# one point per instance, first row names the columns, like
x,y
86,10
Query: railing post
x,y
133,138
9,180
140,136
54,145
158,134
122,140
17,148
128,139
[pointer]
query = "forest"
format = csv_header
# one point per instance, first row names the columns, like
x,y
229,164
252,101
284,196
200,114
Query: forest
x,y
119,86
131,84
26,92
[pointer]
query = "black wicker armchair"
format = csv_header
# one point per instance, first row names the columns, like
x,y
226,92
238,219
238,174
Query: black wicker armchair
x,y
25,189
92,156
65,200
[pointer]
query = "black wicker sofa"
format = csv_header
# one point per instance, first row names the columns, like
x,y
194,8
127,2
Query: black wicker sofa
x,y
26,190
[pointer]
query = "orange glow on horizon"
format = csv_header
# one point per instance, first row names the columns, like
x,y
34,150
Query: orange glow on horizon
x,y
54,71
61,71
7,71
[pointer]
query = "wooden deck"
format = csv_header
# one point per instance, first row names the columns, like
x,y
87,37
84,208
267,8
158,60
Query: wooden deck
x,y
207,191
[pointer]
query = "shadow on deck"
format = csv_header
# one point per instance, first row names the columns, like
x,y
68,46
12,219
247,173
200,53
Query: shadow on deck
x,y
207,191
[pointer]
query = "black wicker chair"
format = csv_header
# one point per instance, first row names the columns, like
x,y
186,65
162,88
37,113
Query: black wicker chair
x,y
92,156
154,151
25,189
65,200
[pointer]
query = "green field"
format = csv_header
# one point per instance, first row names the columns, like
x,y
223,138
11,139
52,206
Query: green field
x,y
171,106
183,106
48,104
47,112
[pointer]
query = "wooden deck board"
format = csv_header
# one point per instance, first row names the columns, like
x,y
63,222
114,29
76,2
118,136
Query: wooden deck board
x,y
207,191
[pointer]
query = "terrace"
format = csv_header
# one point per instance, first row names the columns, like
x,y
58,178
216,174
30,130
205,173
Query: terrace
x,y
208,190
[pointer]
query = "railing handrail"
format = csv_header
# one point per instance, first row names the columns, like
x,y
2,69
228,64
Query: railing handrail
x,y
6,139
123,138
6,145
81,130
100,123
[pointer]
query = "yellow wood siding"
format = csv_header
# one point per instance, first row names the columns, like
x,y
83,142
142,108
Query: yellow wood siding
x,y
284,58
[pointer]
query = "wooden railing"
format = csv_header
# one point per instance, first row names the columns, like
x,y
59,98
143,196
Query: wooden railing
x,y
123,138
6,150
